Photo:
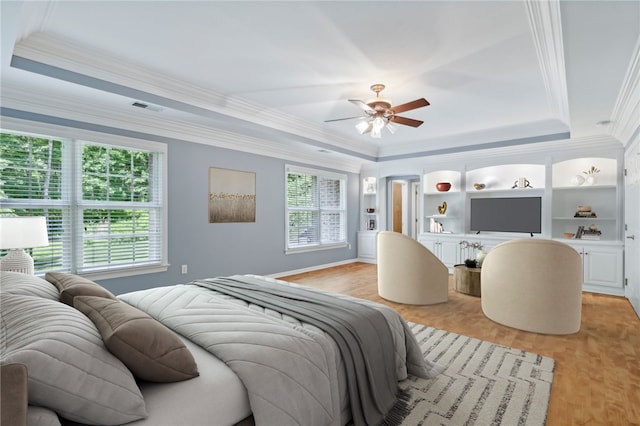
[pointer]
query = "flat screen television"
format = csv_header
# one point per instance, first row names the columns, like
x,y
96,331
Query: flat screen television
x,y
513,214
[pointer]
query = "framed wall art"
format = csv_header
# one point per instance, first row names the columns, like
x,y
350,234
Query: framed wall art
x,y
232,196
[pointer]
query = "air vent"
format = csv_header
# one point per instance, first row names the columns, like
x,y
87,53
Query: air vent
x,y
146,106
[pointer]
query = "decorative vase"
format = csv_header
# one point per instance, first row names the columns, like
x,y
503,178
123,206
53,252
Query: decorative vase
x,y
480,257
443,186
577,180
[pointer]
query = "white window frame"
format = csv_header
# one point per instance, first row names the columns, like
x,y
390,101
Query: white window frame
x,y
292,169
72,140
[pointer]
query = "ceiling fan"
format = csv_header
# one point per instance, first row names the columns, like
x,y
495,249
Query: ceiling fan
x,y
380,114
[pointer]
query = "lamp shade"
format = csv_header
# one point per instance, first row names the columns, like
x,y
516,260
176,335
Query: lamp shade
x,y
23,232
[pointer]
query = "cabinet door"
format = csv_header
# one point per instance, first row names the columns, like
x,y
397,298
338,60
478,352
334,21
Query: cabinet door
x,y
367,247
602,267
449,252
432,244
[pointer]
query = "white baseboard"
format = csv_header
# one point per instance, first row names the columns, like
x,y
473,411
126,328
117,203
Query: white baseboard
x,y
312,268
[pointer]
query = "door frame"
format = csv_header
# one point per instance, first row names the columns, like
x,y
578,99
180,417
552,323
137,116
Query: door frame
x,y
632,226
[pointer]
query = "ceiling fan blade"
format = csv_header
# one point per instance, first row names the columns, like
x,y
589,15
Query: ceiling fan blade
x,y
346,118
418,103
406,121
361,104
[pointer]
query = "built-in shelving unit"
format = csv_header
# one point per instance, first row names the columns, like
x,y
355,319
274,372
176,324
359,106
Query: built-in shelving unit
x,y
561,193
443,210
572,189
369,222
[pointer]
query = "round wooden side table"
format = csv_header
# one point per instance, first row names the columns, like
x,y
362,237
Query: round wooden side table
x,y
467,280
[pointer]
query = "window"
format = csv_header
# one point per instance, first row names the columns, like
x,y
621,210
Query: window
x,y
316,209
103,203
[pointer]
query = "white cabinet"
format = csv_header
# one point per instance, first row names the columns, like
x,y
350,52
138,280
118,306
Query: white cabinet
x,y
367,246
602,268
447,249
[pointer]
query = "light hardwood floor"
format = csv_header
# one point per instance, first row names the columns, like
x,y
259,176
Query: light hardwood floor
x,y
597,372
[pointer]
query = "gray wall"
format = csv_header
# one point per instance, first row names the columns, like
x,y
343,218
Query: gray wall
x,y
212,250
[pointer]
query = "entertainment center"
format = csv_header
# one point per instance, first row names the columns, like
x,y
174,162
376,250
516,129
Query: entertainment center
x,y
546,198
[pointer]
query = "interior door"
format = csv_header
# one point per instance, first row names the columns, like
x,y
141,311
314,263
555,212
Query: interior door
x,y
632,228
397,207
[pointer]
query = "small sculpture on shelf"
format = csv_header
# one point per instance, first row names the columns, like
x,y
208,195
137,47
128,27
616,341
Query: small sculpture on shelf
x,y
521,182
442,209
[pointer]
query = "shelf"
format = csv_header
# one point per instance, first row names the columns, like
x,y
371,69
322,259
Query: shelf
x,y
585,219
508,191
442,193
583,187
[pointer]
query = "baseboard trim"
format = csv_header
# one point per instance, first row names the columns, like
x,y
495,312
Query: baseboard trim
x,y
312,268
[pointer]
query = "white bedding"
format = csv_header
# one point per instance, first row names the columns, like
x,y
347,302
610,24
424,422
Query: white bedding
x,y
216,397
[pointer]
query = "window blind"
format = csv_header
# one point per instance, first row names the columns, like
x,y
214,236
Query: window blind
x,y
103,203
316,209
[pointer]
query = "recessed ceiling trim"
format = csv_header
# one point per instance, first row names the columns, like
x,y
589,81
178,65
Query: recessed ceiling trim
x,y
546,27
55,57
626,111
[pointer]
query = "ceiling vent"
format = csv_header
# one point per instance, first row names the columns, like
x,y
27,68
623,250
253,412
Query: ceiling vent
x,y
146,106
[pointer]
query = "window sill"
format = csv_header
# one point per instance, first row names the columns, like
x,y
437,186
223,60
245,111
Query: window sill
x,y
308,249
124,272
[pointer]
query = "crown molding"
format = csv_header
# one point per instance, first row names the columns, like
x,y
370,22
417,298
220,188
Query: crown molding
x,y
546,28
56,57
626,111
65,113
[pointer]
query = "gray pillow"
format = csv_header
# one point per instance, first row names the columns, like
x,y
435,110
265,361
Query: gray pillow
x,y
69,369
40,416
71,286
27,285
149,349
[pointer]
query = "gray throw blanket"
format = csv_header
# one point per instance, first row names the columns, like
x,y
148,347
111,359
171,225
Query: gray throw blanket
x,y
361,333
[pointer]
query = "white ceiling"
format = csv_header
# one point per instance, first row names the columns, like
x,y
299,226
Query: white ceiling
x,y
266,75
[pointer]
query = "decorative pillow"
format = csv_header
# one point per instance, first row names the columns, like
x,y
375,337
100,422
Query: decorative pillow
x,y
71,286
69,369
27,285
40,416
150,350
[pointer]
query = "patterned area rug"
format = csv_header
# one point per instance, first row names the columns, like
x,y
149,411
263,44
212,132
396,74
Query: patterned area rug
x,y
483,384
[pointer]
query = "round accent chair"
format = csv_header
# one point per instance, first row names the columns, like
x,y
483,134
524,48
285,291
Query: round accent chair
x,y
408,272
533,285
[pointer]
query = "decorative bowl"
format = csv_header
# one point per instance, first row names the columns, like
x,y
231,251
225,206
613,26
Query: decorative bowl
x,y
443,186
568,235
371,210
479,186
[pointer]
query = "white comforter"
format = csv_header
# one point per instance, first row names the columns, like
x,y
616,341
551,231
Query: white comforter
x,y
292,371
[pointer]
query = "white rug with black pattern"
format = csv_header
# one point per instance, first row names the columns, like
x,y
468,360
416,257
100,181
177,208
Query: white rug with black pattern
x,y
483,384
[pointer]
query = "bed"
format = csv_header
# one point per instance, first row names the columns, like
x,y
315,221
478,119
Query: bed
x,y
77,341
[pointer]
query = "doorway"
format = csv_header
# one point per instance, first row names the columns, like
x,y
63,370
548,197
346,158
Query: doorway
x,y
403,204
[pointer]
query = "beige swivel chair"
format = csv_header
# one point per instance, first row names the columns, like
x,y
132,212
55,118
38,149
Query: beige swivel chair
x,y
408,272
533,285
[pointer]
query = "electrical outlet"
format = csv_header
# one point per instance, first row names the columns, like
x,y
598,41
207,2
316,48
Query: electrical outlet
x,y
184,269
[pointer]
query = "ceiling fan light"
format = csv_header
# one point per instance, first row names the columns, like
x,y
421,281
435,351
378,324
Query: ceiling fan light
x,y
362,127
378,123
376,133
390,127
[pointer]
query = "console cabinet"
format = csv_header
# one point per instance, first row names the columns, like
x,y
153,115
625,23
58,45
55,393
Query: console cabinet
x,y
446,248
602,268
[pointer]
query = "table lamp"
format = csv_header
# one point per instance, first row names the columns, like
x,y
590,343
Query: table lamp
x,y
18,233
